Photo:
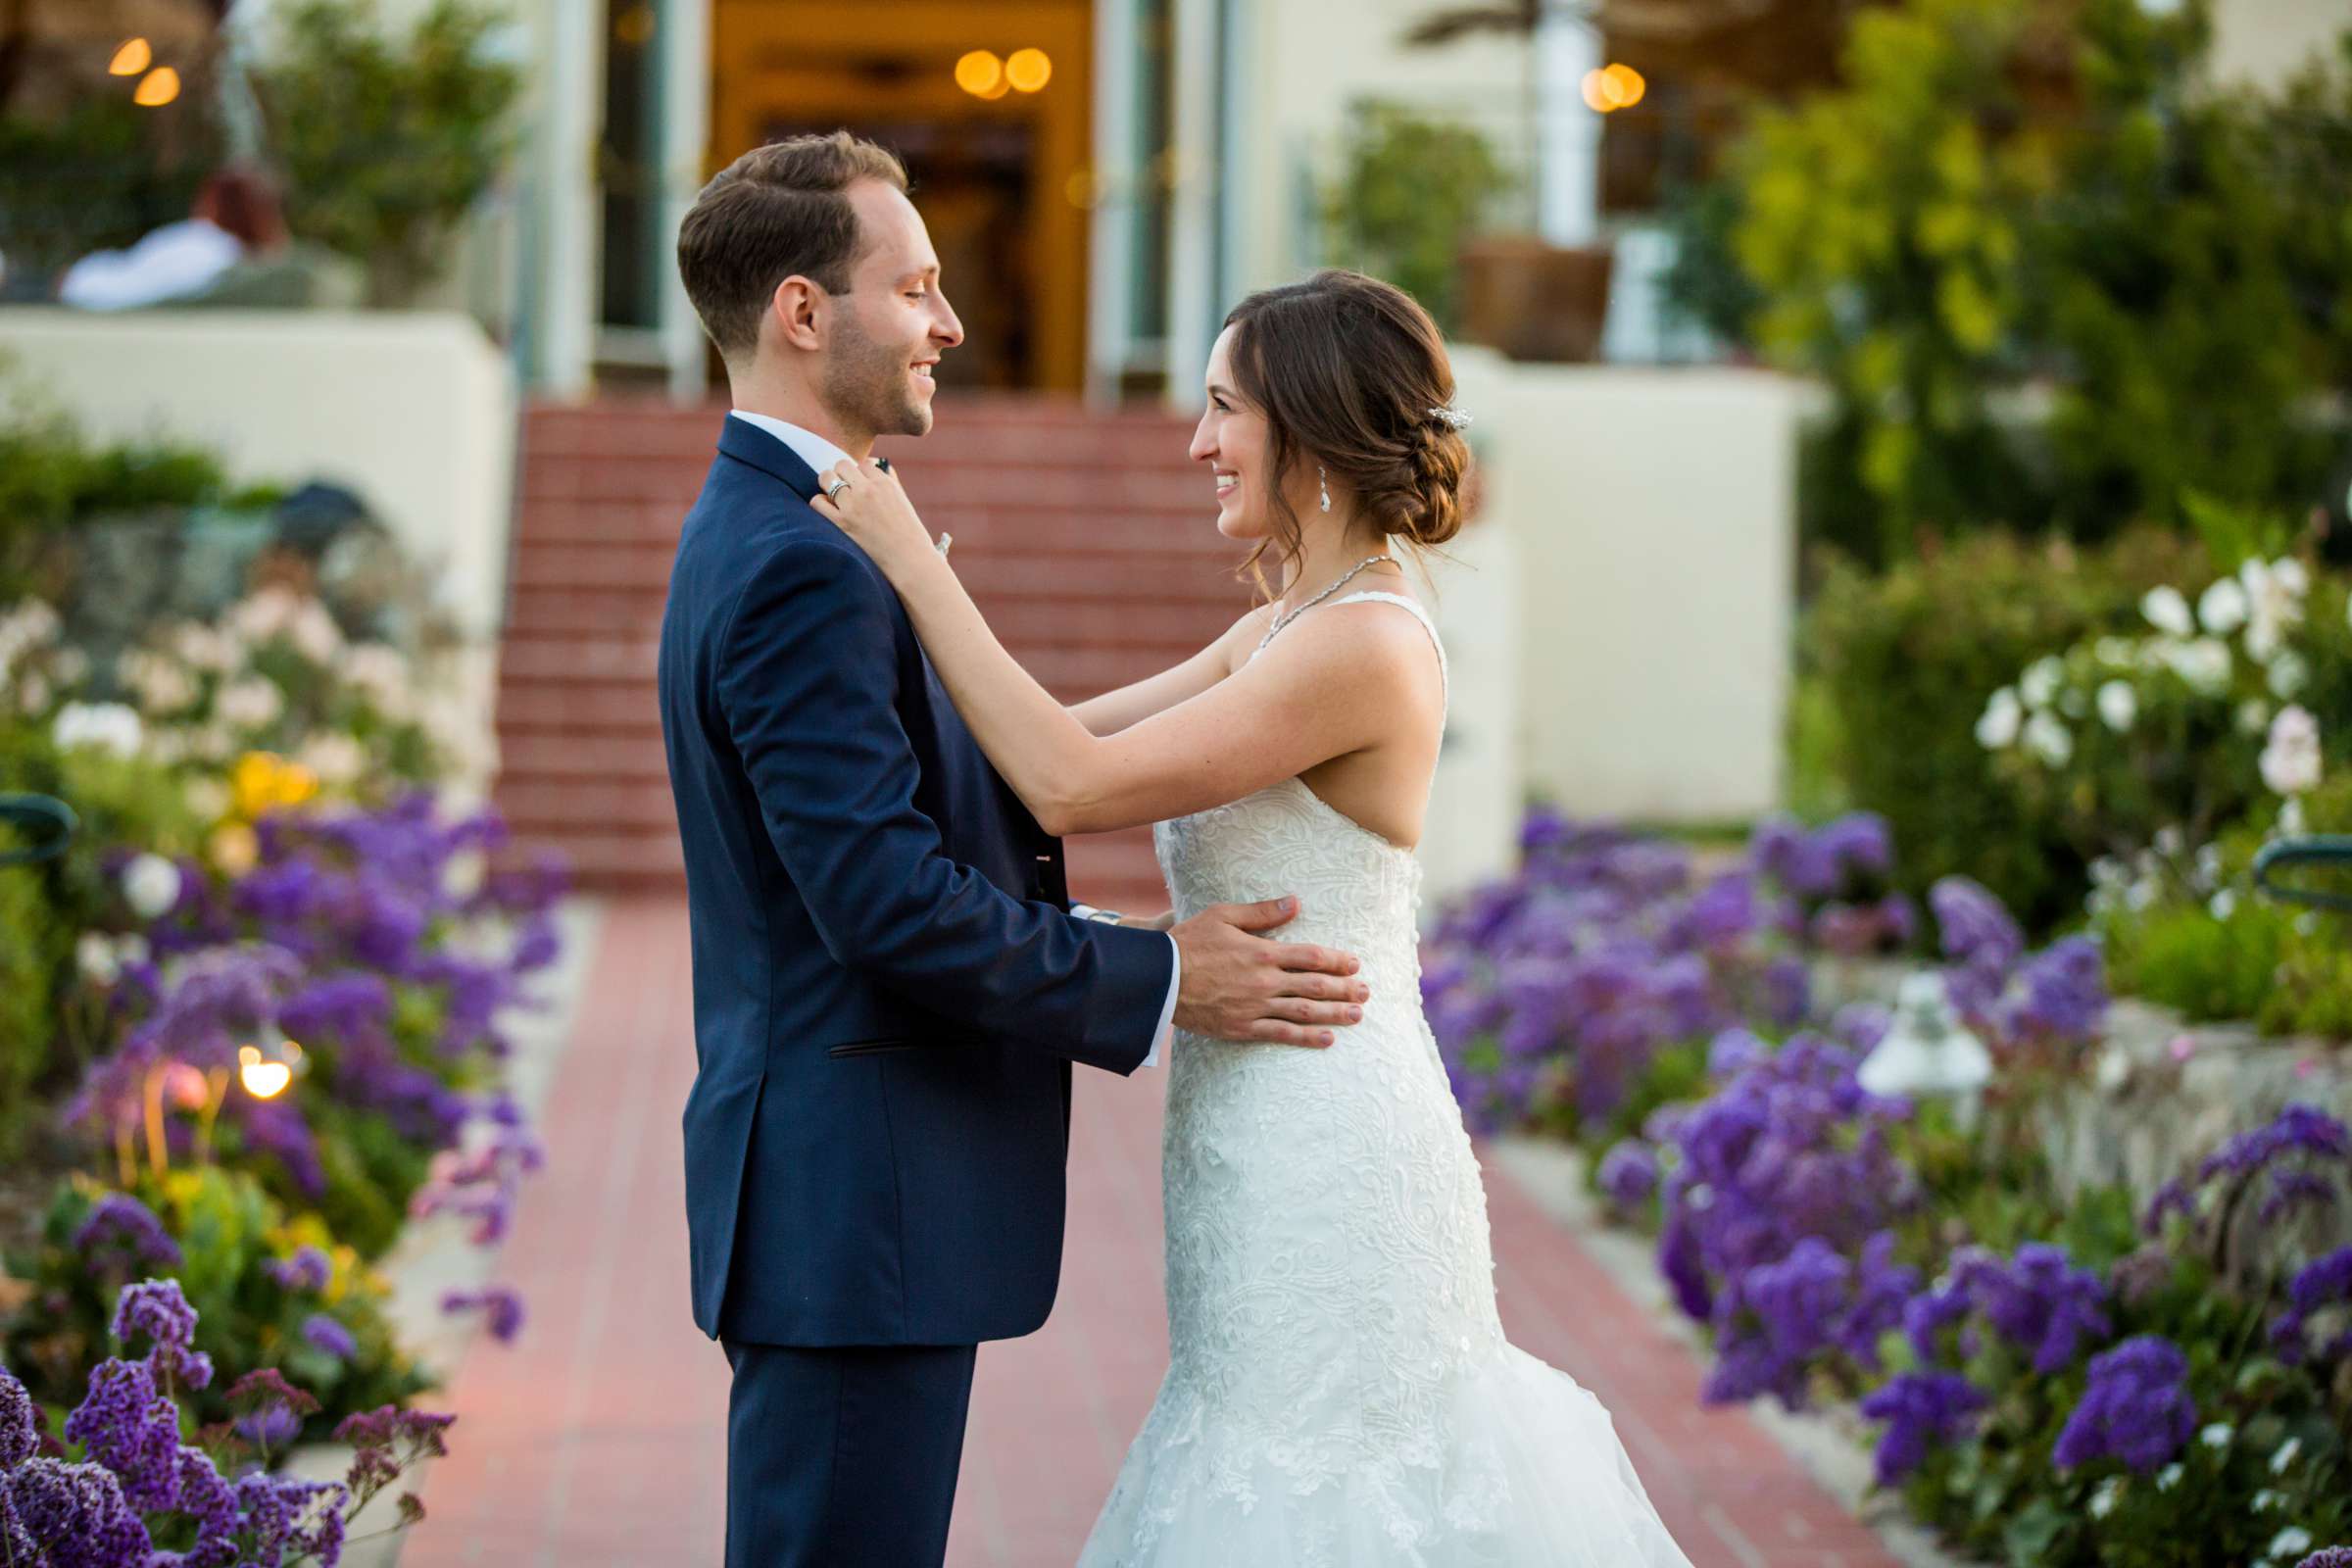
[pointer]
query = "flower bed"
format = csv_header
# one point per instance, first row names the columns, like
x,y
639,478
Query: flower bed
x,y
2059,1375
264,1000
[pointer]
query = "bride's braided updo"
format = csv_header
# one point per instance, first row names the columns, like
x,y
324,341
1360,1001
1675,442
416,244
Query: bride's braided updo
x,y
1348,371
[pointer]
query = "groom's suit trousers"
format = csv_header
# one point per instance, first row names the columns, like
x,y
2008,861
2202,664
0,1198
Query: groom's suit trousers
x,y
844,1457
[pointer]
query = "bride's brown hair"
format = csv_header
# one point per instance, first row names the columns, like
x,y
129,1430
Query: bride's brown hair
x,y
1347,370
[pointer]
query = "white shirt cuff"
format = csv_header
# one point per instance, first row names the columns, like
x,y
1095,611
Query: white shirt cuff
x,y
1167,1011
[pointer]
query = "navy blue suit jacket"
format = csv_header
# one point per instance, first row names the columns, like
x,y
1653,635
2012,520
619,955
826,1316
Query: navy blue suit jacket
x,y
889,988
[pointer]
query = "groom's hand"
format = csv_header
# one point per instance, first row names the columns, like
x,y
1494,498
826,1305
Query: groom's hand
x,y
1239,986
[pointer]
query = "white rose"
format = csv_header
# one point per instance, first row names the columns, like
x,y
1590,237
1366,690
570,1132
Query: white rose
x,y
2223,607
97,959
264,615
2119,704
317,637
2290,759
334,756
2204,664
2284,1455
254,703
1998,727
2168,1477
2288,672
2217,1434
2292,1542
2039,683
152,885
202,647
2049,740
2253,716
208,797
2102,1501
106,727
462,874
2223,904
2274,604
2268,1498
2168,612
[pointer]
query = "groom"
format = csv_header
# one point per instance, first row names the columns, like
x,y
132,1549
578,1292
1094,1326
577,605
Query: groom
x,y
890,983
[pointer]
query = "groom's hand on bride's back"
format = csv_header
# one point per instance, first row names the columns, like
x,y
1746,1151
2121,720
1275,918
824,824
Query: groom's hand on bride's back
x,y
1238,985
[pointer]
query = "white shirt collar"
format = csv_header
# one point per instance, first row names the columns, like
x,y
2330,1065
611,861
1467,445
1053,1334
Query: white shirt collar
x,y
811,448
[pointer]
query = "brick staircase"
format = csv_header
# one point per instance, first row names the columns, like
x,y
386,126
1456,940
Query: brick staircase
x,y
1085,536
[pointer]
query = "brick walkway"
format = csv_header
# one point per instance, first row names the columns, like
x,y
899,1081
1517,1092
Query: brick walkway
x,y
597,1440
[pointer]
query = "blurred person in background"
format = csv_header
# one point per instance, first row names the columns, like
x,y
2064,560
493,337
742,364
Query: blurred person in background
x,y
236,218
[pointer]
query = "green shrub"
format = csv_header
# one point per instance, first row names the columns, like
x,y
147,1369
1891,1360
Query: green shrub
x,y
2207,943
1907,659
228,1232
387,140
2024,194
26,954
98,175
1413,190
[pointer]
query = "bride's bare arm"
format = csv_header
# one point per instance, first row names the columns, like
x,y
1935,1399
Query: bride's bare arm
x,y
1132,704
1307,699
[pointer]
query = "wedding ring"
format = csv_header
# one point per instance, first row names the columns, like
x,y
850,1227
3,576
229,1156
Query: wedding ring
x,y
833,491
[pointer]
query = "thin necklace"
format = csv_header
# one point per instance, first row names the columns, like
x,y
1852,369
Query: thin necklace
x,y
1345,577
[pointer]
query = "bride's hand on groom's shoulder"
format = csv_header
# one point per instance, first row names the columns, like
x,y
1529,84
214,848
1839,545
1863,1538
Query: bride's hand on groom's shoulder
x,y
865,501
1235,985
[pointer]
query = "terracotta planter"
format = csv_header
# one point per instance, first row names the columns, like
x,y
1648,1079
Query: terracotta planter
x,y
1533,300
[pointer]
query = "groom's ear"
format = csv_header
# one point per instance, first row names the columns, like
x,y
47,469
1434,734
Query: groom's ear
x,y
794,307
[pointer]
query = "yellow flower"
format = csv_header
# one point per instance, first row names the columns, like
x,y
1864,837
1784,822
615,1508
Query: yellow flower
x,y
263,780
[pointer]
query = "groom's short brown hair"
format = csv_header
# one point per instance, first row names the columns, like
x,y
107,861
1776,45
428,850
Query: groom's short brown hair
x,y
776,211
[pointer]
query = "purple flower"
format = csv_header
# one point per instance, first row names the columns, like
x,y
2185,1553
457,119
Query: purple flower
x,y
501,1306
324,1333
2315,1288
1982,943
2298,1129
2065,995
308,1271
19,1422
2329,1558
156,1310
272,1425
126,1424
2136,1410
1923,1410
1629,1173
120,1235
78,1515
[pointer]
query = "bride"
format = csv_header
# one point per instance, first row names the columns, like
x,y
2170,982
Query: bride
x,y
1339,1390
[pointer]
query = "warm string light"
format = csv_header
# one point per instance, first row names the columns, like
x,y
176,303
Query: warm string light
x,y
157,88
983,74
134,58
1613,87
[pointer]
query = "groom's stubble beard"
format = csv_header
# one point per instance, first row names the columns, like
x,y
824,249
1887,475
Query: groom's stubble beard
x,y
864,385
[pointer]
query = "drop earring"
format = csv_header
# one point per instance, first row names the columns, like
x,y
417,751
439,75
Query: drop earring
x,y
1323,485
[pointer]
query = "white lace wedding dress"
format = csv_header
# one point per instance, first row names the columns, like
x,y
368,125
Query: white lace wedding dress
x,y
1340,1394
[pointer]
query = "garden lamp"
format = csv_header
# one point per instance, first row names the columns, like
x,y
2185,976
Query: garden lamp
x,y
2319,849
52,818
265,1070
1925,1051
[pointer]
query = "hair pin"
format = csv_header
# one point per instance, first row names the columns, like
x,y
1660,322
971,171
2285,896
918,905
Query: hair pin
x,y
1452,416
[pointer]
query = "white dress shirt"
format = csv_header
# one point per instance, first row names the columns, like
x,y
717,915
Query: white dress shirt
x,y
821,455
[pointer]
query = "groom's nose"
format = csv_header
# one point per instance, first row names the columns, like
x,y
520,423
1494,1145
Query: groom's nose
x,y
945,330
